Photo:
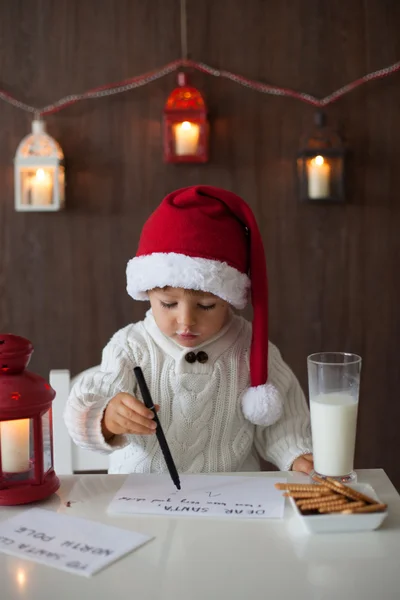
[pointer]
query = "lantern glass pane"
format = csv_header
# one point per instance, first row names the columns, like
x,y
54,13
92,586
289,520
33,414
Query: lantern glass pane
x,y
17,449
61,184
47,441
186,138
321,177
37,185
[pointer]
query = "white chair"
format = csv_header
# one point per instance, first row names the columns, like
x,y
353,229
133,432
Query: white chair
x,y
68,458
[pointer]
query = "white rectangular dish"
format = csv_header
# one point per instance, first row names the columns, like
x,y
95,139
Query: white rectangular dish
x,y
338,523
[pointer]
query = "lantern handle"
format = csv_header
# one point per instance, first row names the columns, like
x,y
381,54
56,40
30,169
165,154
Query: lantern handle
x,y
182,78
320,118
38,126
15,353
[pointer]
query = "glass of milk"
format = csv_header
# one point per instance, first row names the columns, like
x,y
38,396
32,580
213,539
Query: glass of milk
x,y
334,383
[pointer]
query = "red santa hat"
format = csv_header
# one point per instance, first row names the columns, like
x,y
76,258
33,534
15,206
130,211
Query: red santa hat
x,y
206,238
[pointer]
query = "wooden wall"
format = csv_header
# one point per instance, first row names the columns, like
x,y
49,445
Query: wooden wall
x,y
334,270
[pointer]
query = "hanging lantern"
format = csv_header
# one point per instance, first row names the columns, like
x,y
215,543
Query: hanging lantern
x,y
320,165
26,443
39,172
185,125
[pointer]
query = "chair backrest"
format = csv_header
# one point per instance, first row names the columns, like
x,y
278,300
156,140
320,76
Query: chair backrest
x,y
68,458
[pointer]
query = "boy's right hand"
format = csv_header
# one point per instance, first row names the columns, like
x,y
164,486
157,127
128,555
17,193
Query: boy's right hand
x,y
126,414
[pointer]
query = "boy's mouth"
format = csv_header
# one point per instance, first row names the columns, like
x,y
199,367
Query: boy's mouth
x,y
187,335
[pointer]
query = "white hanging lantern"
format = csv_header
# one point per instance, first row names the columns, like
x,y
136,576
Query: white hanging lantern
x,y
39,172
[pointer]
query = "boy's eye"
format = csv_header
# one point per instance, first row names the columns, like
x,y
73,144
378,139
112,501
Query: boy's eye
x,y
206,306
168,304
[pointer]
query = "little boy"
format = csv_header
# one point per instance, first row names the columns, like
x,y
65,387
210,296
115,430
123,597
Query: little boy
x,y
224,394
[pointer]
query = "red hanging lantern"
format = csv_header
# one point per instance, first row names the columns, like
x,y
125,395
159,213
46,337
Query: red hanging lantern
x,y
26,441
185,125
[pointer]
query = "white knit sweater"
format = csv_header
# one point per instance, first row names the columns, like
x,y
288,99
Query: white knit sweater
x,y
200,404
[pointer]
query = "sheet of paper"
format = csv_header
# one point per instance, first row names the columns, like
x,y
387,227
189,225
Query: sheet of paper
x,y
200,496
69,543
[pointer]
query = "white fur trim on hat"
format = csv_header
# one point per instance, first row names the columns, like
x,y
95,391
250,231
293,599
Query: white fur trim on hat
x,y
262,405
161,269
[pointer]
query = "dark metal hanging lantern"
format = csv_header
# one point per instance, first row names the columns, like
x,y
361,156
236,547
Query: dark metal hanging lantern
x,y
320,165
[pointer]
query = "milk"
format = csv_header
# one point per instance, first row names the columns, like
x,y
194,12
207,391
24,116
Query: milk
x,y
333,423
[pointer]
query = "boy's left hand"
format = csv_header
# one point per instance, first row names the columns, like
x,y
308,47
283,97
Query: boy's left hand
x,y
304,464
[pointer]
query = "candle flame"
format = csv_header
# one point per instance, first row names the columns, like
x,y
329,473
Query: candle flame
x,y
319,160
186,125
21,577
40,175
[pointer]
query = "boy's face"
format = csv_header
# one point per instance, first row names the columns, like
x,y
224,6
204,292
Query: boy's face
x,y
189,317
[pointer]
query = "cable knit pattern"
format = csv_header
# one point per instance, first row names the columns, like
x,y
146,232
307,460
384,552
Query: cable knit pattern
x,y
200,404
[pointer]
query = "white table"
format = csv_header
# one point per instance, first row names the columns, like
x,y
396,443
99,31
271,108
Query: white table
x,y
207,559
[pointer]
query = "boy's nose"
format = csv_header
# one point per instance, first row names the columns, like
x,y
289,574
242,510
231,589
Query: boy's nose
x,y
186,318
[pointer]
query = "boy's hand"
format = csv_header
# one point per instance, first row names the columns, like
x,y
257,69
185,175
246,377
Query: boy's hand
x,y
304,464
126,414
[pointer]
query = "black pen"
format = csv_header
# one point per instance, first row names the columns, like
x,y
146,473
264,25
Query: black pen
x,y
148,401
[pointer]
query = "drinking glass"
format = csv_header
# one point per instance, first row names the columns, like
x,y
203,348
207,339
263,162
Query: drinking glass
x,y
334,383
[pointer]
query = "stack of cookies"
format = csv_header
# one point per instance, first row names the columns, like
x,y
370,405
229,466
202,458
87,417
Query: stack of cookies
x,y
329,496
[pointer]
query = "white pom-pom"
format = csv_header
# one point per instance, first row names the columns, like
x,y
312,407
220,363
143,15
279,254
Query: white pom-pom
x,y
262,405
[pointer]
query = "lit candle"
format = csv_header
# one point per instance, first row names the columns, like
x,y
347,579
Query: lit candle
x,y
41,188
318,178
14,443
186,138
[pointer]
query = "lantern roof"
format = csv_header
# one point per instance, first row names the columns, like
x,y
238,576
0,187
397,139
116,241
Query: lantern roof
x,y
39,144
322,138
22,393
184,97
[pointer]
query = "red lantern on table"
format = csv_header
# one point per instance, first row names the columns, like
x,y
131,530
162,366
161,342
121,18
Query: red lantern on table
x,y
185,125
26,440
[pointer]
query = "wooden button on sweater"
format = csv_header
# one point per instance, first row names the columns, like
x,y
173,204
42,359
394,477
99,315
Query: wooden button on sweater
x,y
190,357
202,357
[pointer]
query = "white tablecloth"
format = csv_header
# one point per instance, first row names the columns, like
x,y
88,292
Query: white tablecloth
x,y
207,559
